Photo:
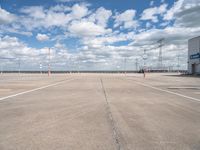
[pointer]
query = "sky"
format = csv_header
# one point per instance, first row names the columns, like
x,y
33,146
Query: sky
x,y
96,34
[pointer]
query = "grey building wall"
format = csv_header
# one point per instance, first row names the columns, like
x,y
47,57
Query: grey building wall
x,y
194,55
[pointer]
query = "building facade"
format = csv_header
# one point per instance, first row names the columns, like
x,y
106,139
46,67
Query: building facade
x,y
194,55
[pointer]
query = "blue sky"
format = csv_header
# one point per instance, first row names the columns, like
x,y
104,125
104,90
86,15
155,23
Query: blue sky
x,y
96,35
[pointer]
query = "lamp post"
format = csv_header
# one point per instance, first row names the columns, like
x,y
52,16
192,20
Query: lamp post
x,y
125,65
40,68
19,66
49,67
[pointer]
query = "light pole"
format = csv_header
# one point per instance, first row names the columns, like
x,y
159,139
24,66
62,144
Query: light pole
x,y
136,64
178,63
40,68
125,65
144,59
118,68
19,66
160,59
1,69
78,65
49,67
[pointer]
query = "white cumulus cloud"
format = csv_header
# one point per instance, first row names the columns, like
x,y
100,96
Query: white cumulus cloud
x,y
6,17
42,37
126,19
85,28
79,11
175,8
152,13
101,16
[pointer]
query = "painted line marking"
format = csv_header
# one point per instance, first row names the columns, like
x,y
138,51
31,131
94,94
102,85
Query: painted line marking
x,y
36,89
170,92
179,87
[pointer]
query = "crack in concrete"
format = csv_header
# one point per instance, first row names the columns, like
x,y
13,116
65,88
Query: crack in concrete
x,y
114,128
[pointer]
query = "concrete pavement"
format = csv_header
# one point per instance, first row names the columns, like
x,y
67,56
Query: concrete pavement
x,y
100,112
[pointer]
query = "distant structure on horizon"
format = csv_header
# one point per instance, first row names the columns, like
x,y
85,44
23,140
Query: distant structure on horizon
x,y
194,55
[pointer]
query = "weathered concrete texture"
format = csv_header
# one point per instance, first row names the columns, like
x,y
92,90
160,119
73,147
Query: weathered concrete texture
x,y
75,114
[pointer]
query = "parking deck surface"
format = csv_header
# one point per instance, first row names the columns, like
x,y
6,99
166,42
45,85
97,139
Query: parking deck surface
x,y
99,112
